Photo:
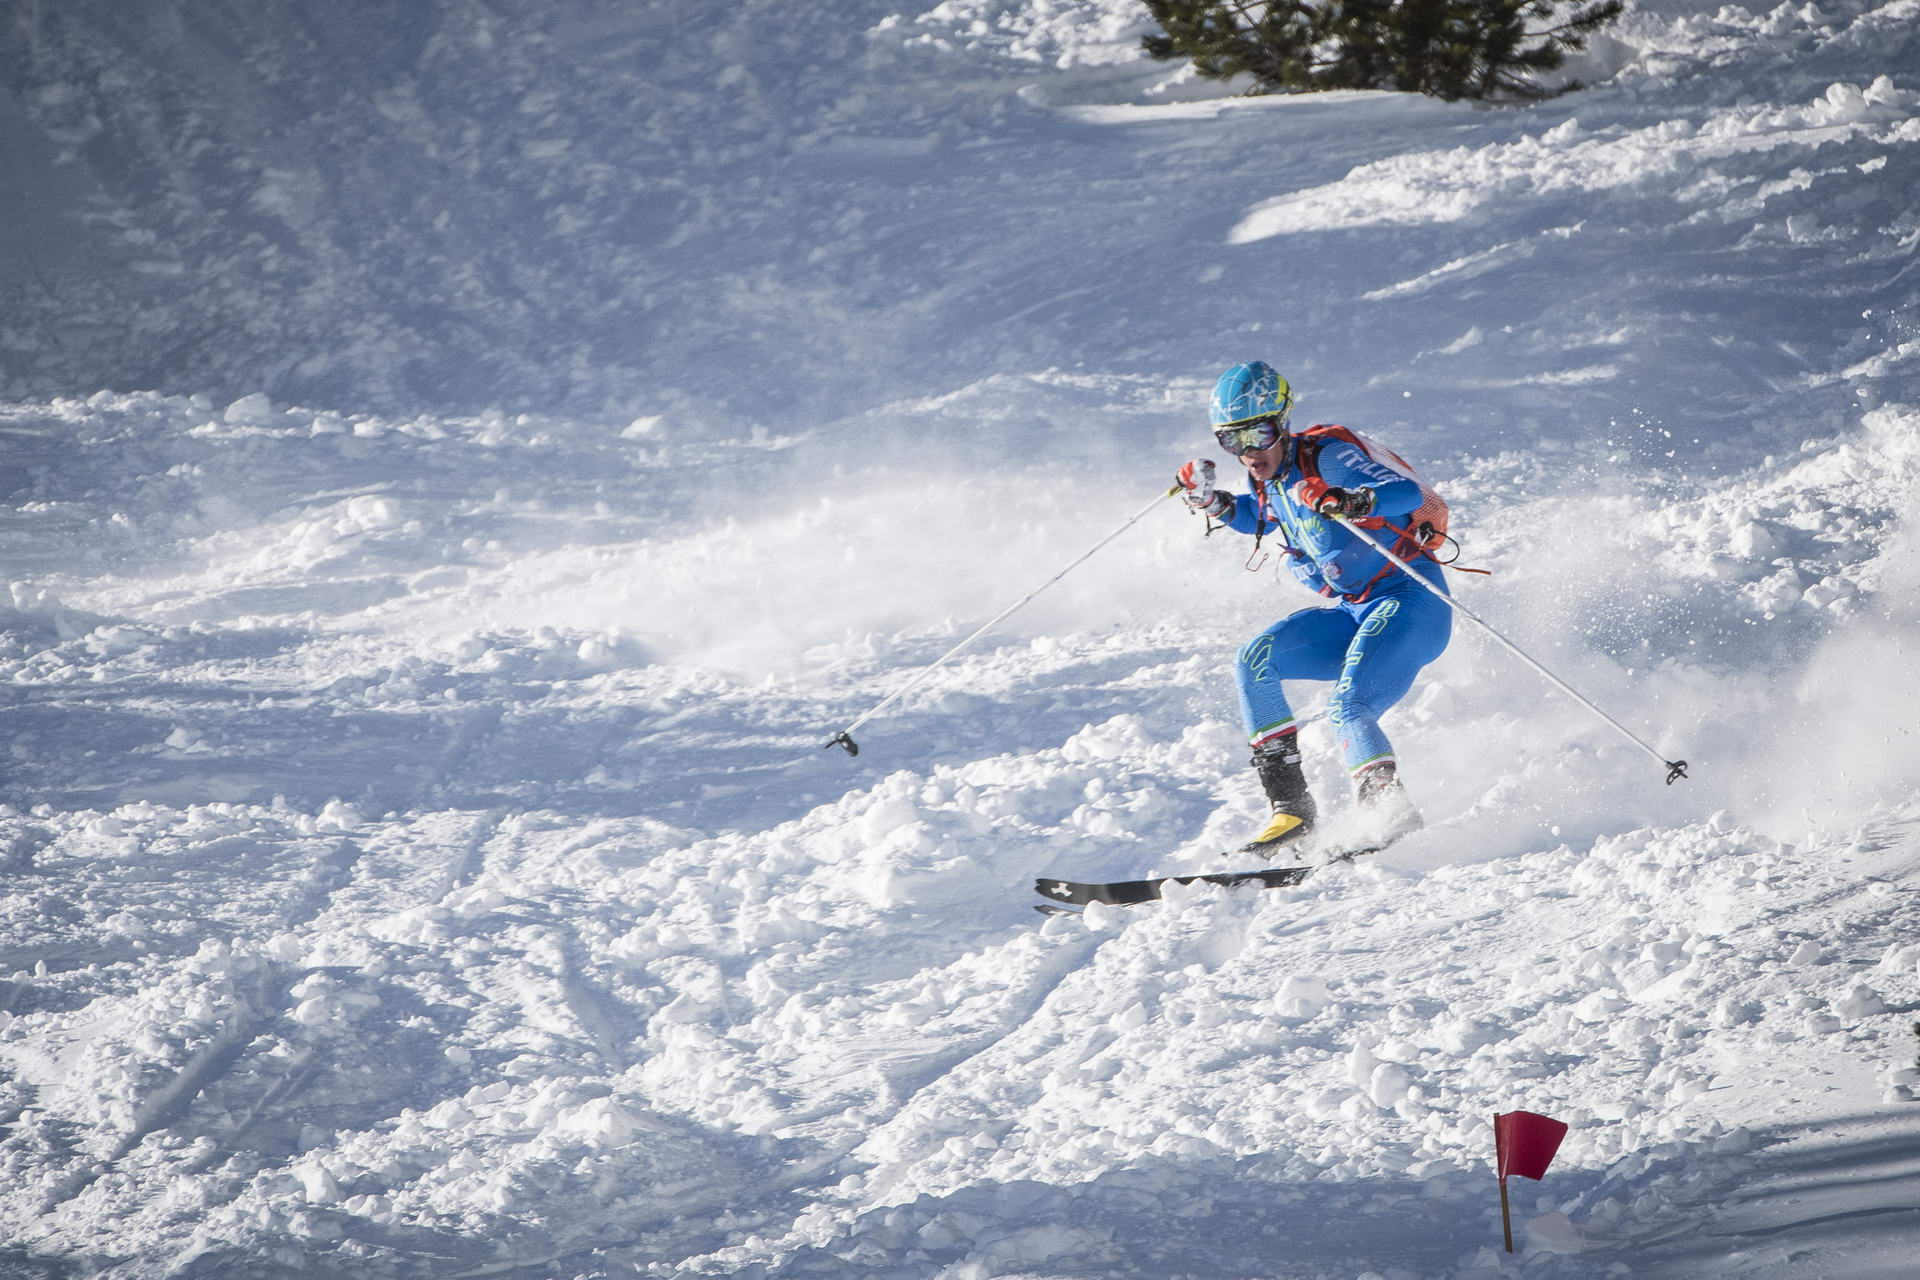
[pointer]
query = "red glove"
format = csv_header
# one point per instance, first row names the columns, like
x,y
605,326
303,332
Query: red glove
x,y
1317,495
1196,478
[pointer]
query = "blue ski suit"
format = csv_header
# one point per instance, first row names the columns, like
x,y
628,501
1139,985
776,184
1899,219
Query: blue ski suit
x,y
1375,640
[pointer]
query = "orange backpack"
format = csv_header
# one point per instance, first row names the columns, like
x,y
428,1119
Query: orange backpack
x,y
1426,528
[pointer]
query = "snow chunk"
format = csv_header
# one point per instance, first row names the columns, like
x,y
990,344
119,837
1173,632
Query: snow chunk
x,y
187,741
600,1124
1859,1001
1123,735
367,513
1389,1084
1600,1006
318,1184
1902,958
249,408
1360,1064
338,815
1301,997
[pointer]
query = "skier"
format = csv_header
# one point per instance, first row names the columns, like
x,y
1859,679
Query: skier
x,y
1384,628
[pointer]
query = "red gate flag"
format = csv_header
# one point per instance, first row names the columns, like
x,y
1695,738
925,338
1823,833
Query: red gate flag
x,y
1526,1142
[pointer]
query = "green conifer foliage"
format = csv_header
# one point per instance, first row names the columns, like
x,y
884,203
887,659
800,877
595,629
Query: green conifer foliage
x,y
1450,49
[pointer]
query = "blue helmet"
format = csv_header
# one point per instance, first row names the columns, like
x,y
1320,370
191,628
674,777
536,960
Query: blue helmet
x,y
1249,391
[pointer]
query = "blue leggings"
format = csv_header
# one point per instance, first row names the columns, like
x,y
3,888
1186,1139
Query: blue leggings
x,y
1373,649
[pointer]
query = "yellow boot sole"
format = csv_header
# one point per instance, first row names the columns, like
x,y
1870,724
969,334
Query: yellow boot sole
x,y
1284,829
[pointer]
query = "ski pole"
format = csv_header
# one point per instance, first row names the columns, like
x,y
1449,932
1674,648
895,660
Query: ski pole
x,y
845,737
1676,769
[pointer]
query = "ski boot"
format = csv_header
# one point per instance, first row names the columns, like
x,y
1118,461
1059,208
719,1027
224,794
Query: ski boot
x,y
1383,810
1285,783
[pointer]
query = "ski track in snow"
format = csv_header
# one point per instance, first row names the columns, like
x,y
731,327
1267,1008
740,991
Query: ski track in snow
x,y
420,855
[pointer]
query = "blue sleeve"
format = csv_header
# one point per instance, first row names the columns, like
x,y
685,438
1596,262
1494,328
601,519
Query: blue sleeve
x,y
1394,492
1245,516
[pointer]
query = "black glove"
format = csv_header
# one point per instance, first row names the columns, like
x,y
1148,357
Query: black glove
x,y
1329,501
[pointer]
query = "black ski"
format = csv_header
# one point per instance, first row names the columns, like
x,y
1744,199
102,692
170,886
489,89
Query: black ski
x,y
1127,893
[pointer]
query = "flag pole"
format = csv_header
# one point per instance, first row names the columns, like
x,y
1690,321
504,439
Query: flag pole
x,y
1500,1168
1523,1143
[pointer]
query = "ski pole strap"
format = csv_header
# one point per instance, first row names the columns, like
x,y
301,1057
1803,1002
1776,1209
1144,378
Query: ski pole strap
x,y
1425,547
1676,769
1408,538
844,739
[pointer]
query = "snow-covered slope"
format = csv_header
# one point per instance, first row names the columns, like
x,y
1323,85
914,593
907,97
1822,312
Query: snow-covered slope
x,y
419,855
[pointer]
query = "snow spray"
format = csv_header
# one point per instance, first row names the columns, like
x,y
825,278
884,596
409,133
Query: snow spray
x,y
845,737
1676,769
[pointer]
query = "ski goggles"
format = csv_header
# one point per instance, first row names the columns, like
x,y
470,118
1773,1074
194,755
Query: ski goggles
x,y
1251,437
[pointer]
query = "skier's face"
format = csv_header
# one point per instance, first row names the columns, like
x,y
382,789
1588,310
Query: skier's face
x,y
1264,464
